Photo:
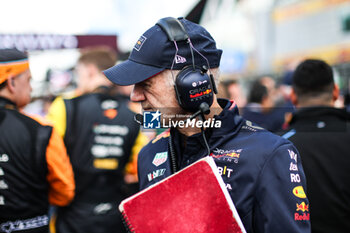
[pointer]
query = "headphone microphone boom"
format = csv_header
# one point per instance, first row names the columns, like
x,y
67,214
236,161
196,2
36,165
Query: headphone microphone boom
x,y
204,109
138,118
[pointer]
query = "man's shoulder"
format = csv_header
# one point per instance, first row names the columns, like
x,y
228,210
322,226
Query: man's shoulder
x,y
25,125
159,143
31,119
256,132
259,140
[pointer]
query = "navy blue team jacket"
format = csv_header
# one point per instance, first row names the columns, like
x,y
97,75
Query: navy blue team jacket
x,y
262,171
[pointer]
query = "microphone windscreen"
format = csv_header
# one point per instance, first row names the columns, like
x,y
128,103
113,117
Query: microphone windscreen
x,y
138,118
204,108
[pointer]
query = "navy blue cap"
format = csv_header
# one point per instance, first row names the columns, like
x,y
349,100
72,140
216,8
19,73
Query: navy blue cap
x,y
154,52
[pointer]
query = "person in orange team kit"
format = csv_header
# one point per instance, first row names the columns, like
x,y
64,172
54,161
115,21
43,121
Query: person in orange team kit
x,y
35,170
102,141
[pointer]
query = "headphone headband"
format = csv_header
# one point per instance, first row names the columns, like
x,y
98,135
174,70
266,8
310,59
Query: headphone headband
x,y
173,28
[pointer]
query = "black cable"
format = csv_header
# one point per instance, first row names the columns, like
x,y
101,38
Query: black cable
x,y
192,55
172,155
205,141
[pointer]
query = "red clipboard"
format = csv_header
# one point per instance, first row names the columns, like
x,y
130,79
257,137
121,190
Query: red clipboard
x,y
193,200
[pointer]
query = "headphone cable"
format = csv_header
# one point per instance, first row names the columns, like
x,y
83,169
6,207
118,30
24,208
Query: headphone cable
x,y
192,54
205,141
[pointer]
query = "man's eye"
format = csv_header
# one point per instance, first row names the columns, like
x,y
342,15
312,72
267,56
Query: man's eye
x,y
146,85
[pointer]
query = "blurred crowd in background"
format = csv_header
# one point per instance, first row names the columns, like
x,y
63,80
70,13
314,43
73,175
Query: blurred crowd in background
x,y
263,99
262,43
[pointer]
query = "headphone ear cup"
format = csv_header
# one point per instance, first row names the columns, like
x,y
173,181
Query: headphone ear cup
x,y
193,87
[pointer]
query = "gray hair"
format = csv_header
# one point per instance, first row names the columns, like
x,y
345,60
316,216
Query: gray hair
x,y
171,74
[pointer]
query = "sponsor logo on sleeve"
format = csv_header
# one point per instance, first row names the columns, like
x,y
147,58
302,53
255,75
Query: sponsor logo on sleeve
x,y
3,185
299,192
293,155
249,126
160,158
226,155
4,158
295,178
301,217
293,167
302,207
156,174
224,171
228,186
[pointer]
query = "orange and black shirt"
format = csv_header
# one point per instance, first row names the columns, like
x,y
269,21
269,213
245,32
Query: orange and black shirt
x,y
34,170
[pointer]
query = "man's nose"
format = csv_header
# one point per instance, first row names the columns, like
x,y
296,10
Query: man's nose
x,y
137,94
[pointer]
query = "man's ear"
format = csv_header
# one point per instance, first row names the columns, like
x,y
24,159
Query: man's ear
x,y
294,97
335,92
11,84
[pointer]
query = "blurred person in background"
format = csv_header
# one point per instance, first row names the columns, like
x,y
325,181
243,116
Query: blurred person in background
x,y
34,167
321,134
280,112
259,107
264,106
270,85
233,90
103,141
284,90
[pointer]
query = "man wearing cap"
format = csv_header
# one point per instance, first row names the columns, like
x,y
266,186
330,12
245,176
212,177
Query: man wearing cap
x,y
262,171
34,167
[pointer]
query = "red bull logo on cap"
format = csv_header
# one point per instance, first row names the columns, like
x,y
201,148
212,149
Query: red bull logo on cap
x,y
303,207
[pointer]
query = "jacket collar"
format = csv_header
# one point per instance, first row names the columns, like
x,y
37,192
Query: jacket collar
x,y
230,124
6,103
312,112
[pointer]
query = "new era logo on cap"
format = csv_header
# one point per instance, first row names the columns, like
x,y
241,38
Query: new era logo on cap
x,y
179,59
